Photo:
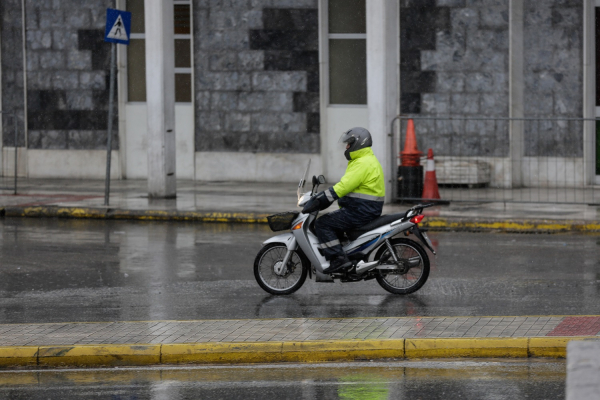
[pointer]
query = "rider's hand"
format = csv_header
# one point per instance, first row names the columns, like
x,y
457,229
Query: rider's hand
x,y
317,203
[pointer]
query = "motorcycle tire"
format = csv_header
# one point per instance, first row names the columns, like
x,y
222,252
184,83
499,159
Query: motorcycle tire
x,y
413,255
288,280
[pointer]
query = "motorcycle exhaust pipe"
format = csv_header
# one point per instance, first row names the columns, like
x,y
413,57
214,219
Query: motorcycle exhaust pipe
x,y
362,266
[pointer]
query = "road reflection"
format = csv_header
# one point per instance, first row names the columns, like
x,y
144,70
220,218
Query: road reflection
x,y
361,380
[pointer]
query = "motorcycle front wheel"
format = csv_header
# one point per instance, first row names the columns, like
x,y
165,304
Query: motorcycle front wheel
x,y
414,268
273,276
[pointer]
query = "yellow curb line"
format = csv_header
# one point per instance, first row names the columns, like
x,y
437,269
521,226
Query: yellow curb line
x,y
148,215
434,223
264,352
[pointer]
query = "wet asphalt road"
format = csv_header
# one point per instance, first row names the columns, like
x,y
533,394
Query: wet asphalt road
x,y
84,270
414,380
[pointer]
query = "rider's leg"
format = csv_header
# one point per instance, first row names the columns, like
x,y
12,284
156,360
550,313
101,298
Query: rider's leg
x,y
327,228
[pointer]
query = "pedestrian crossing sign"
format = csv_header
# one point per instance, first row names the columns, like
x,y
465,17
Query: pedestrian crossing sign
x,y
118,26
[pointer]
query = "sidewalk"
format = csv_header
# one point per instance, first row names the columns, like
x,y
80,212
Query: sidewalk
x,y
296,340
252,202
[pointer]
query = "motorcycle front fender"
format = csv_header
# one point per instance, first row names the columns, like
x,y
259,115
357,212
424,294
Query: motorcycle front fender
x,y
286,238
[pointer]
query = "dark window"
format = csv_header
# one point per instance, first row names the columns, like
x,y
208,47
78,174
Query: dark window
x,y
347,71
182,19
597,147
136,53
347,52
347,16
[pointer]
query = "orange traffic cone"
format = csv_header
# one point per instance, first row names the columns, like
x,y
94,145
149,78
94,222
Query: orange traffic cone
x,y
430,188
410,156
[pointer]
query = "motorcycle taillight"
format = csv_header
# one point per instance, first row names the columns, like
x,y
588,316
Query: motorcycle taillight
x,y
417,218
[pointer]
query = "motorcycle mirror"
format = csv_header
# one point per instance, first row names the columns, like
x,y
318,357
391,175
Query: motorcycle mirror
x,y
321,179
315,180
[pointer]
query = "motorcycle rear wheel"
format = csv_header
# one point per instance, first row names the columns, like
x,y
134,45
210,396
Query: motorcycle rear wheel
x,y
290,279
411,254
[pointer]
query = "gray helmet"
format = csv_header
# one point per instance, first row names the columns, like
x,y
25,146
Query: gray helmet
x,y
358,138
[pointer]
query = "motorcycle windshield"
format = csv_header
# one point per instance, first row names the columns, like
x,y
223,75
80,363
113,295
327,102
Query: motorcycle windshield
x,y
303,181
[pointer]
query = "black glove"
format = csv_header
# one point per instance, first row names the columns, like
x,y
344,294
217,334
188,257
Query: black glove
x,y
318,202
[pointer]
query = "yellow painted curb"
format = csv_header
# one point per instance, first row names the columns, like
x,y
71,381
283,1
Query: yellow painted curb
x,y
342,350
86,355
434,223
221,353
511,225
466,347
146,215
18,355
555,347
264,352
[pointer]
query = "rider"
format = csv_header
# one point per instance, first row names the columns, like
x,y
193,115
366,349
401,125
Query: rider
x,y
360,192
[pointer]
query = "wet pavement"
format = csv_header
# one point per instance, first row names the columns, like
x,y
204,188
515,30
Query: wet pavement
x,y
55,270
490,379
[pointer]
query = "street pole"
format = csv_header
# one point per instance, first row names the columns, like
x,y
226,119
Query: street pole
x,y
111,100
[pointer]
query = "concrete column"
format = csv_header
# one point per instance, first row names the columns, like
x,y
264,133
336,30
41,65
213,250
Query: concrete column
x,y
589,91
516,91
1,115
583,368
383,84
160,92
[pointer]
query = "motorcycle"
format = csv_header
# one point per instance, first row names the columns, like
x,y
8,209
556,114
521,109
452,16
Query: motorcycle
x,y
400,265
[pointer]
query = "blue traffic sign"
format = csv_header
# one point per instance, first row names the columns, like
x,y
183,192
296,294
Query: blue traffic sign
x,y
118,26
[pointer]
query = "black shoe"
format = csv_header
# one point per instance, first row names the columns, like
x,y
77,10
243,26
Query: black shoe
x,y
338,264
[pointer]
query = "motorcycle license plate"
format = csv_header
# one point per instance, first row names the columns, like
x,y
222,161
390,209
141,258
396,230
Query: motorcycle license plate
x,y
427,239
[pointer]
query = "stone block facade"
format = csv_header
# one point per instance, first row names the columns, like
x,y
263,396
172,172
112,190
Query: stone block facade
x,y
256,75
553,76
454,61
67,73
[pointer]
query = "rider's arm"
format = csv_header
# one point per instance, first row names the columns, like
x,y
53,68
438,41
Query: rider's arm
x,y
353,177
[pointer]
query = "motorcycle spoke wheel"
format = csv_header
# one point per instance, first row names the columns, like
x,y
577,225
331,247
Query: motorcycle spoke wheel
x,y
275,278
413,257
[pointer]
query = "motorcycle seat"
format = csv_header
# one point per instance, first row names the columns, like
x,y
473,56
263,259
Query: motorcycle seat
x,y
376,223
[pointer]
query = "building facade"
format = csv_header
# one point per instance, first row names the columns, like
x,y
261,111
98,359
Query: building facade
x,y
261,86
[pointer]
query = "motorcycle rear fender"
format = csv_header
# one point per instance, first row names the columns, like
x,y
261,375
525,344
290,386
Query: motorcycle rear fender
x,y
286,238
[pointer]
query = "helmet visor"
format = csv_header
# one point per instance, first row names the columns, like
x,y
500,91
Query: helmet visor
x,y
347,137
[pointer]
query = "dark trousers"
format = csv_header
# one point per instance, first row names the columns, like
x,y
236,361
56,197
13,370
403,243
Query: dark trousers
x,y
330,227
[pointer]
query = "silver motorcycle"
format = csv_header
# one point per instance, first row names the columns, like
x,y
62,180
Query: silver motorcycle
x,y
400,265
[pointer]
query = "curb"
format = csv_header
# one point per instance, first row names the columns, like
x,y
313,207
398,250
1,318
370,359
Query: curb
x,y
511,225
433,223
148,215
264,352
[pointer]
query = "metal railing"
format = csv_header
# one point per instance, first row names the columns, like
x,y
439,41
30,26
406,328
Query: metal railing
x,y
499,159
5,182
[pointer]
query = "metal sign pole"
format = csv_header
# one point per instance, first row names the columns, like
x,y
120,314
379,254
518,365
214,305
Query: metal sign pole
x,y
111,100
16,149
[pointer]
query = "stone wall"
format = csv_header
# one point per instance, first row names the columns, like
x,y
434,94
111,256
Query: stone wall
x,y
256,75
11,47
68,75
454,61
553,44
